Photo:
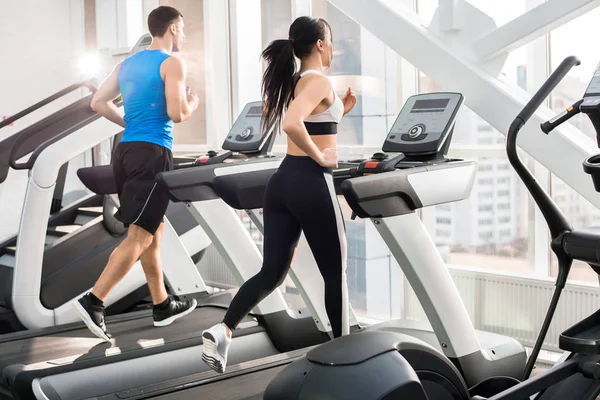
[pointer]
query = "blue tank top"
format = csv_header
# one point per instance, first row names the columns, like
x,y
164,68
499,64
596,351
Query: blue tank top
x,y
144,100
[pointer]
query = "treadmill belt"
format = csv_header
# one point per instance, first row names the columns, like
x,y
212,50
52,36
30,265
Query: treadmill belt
x,y
243,387
129,335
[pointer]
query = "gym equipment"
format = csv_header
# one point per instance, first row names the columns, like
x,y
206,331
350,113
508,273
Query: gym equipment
x,y
391,204
64,368
59,252
377,365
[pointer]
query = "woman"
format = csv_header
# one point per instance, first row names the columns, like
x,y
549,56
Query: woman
x,y
300,196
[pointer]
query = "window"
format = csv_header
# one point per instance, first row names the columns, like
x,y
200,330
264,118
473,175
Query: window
x,y
444,221
363,62
486,181
443,234
486,235
504,206
484,167
487,207
580,212
503,167
504,220
486,221
504,179
505,233
486,195
503,193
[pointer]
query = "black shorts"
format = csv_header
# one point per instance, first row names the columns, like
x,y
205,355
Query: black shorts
x,y
135,166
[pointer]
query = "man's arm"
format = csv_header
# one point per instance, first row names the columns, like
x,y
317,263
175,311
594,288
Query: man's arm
x,y
180,102
102,102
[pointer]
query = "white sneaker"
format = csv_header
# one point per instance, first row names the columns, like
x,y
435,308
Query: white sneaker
x,y
215,345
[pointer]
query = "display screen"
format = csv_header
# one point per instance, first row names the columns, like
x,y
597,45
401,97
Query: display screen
x,y
254,112
594,86
434,105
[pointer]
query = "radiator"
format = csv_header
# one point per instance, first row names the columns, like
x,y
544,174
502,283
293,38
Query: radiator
x,y
514,306
214,270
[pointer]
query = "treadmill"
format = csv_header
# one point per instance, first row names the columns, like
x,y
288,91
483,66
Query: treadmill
x,y
394,183
68,362
79,237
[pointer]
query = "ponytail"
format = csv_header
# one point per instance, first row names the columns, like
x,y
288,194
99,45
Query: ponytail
x,y
280,55
278,81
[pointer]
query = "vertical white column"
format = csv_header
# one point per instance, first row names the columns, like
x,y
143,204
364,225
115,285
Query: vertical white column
x,y
106,24
218,68
539,239
300,8
246,46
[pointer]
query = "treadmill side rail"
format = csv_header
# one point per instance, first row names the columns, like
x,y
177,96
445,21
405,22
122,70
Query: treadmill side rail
x,y
427,274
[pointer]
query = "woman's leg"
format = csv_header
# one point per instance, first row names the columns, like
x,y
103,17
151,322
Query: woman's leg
x,y
322,222
281,235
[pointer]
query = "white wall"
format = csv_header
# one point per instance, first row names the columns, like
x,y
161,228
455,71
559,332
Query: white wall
x,y
41,49
41,42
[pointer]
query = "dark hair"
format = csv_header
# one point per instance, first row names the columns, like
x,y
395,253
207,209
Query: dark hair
x,y
160,18
278,79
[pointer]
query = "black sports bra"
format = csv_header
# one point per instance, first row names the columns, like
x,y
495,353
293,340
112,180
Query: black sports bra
x,y
326,122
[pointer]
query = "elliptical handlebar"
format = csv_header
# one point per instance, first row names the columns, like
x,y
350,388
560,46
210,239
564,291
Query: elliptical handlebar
x,y
548,86
570,112
556,220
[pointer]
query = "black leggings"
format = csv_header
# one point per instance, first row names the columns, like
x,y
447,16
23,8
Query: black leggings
x,y
300,197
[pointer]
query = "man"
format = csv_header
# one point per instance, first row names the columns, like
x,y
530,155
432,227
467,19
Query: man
x,y
152,85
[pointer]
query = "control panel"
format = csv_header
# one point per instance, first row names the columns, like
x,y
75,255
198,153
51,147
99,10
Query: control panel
x,y
424,124
593,88
246,134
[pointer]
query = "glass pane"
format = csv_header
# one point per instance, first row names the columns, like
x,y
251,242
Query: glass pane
x,y
573,86
490,228
136,25
371,69
580,212
192,131
501,12
374,277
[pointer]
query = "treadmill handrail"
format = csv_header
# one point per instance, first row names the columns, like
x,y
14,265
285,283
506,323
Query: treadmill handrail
x,y
89,83
15,153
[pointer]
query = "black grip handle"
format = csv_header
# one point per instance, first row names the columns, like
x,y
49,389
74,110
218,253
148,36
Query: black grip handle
x,y
548,87
548,126
345,172
90,84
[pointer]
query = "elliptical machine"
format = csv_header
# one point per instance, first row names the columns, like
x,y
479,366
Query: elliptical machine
x,y
378,364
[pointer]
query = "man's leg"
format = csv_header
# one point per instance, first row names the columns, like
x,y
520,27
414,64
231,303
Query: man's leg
x,y
91,306
152,266
165,310
122,260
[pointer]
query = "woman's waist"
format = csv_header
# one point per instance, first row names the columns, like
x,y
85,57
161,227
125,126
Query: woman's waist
x,y
322,142
302,164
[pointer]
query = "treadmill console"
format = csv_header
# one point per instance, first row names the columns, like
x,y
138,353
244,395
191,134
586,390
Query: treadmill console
x,y
246,135
424,124
142,44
